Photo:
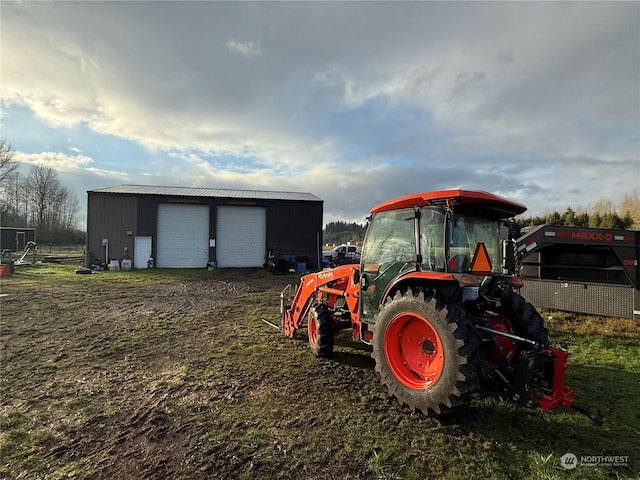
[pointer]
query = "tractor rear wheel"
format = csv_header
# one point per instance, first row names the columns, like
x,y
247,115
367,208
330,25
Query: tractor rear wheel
x,y
525,319
426,352
320,329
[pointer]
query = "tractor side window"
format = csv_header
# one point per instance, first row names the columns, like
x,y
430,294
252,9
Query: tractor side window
x,y
432,237
465,233
388,250
460,247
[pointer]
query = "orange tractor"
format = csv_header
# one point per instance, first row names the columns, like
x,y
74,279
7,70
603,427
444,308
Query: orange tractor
x,y
432,297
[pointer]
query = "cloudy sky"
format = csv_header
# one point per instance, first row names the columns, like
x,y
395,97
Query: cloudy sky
x,y
355,102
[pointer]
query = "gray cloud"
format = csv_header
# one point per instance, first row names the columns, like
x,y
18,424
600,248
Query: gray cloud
x,y
354,101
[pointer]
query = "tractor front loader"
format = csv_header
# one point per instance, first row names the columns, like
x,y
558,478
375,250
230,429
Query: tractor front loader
x,y
432,296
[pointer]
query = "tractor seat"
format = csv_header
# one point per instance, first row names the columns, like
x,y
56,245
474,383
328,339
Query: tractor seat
x,y
459,263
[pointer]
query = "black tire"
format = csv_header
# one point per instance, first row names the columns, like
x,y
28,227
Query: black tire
x,y
525,319
426,352
320,330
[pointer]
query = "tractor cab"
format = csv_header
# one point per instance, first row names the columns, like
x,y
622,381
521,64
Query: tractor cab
x,y
442,235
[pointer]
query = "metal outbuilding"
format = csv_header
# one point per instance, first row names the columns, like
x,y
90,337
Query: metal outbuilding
x,y
16,238
187,227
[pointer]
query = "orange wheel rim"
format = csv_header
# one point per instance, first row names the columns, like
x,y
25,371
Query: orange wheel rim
x,y
313,330
413,350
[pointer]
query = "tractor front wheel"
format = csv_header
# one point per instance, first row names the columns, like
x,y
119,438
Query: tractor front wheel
x,y
426,352
320,329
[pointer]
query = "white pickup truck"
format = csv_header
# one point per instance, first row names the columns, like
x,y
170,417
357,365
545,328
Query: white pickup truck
x,y
340,255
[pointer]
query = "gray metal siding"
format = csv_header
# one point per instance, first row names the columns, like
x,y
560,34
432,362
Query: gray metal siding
x,y
147,215
110,217
295,228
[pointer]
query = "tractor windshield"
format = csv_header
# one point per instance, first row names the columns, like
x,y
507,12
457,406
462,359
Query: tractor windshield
x,y
465,232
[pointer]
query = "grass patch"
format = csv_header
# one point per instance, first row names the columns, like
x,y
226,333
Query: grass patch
x,y
172,374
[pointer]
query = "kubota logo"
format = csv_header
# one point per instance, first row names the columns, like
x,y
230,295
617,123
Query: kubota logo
x,y
323,275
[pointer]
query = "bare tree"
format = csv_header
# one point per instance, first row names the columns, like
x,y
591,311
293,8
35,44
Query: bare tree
x,y
38,200
10,187
69,210
603,206
13,201
41,184
631,206
52,205
8,163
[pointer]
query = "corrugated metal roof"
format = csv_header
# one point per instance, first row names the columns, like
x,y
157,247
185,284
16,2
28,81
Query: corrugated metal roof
x,y
207,192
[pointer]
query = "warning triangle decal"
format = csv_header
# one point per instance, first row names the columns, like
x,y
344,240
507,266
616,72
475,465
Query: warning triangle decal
x,y
481,263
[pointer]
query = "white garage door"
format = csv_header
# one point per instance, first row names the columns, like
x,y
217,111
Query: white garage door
x,y
183,236
241,238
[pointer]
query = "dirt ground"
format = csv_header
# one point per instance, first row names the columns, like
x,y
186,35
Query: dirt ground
x,y
103,377
166,375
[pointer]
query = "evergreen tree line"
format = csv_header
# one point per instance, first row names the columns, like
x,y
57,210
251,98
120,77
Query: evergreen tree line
x,y
602,214
571,218
37,200
336,233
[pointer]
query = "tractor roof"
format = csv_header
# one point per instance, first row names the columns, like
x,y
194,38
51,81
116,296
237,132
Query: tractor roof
x,y
470,200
